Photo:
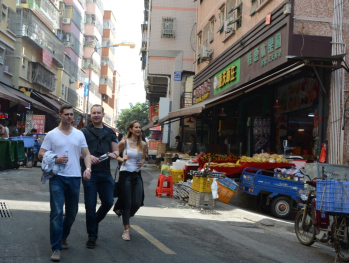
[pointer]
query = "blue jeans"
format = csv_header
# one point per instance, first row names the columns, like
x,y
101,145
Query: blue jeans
x,y
62,190
132,199
101,183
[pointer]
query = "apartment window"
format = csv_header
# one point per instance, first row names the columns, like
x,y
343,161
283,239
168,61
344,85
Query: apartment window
x,y
28,71
4,13
2,56
168,27
200,40
234,16
211,32
222,16
254,7
23,62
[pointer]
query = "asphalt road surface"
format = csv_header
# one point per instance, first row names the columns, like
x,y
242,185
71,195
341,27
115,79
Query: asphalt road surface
x,y
162,231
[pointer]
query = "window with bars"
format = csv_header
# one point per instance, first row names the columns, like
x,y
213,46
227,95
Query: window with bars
x,y
29,71
168,27
4,14
2,51
234,15
211,33
222,19
9,62
205,34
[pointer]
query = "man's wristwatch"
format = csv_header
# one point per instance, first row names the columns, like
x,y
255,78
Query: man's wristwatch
x,y
89,169
116,154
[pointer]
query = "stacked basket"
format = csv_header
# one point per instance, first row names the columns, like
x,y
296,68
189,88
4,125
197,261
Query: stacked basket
x,y
226,189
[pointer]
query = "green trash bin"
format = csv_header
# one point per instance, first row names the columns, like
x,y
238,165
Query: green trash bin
x,y
5,156
20,151
13,163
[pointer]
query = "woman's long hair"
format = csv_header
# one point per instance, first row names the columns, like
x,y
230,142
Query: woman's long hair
x,y
139,139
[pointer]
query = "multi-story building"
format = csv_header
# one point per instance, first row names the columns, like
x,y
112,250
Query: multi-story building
x,y
92,51
106,87
7,41
267,68
167,53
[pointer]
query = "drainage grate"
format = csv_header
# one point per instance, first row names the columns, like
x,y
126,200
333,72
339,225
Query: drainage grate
x,y
4,211
206,211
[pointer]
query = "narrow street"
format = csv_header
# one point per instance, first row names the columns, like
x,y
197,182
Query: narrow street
x,y
163,230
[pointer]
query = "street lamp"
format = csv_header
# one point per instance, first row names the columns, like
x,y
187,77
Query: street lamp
x,y
89,80
129,44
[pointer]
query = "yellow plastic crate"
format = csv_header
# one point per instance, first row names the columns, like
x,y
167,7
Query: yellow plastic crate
x,y
177,175
202,184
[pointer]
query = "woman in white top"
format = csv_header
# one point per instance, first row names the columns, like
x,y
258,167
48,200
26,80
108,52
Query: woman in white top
x,y
131,193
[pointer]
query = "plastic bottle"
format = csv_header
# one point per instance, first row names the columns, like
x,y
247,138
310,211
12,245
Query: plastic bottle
x,y
62,166
139,157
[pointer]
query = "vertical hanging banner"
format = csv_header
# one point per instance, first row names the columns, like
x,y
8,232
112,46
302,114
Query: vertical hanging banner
x,y
39,123
153,112
46,58
86,88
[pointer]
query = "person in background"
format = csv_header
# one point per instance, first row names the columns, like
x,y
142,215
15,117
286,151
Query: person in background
x,y
32,132
3,131
179,147
131,191
100,140
67,143
193,148
290,143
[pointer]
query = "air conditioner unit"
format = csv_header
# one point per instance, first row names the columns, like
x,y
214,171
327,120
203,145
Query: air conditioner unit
x,y
66,21
206,52
103,97
72,80
287,8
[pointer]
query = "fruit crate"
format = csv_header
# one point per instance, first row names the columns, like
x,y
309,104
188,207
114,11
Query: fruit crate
x,y
332,196
224,194
201,200
202,184
229,183
177,175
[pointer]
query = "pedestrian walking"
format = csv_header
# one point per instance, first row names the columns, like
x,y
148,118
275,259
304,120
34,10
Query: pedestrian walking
x,y
101,140
68,144
131,191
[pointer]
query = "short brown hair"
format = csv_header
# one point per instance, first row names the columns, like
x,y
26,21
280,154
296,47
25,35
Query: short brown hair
x,y
97,105
65,107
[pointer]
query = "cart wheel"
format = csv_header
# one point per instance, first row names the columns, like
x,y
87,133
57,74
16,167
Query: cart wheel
x,y
281,207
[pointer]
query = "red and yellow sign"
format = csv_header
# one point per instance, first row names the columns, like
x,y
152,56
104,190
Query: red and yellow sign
x,y
39,123
202,92
47,58
153,112
153,145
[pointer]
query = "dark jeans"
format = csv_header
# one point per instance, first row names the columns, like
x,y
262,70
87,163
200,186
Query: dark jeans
x,y
132,199
62,190
101,183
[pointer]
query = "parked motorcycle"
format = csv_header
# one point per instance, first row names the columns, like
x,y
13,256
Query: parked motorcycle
x,y
312,225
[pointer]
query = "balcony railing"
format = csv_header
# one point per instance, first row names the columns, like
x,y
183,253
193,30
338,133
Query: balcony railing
x,y
73,97
94,89
107,62
81,75
93,20
70,40
107,119
105,80
72,12
47,9
95,66
99,3
26,24
70,67
107,24
9,62
43,77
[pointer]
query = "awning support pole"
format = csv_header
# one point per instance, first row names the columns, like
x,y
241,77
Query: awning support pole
x,y
318,77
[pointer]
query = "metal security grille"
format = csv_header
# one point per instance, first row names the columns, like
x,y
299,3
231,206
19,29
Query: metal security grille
x,y
4,211
168,27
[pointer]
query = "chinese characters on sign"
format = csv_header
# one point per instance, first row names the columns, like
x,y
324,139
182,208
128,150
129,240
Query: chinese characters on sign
x,y
227,77
260,53
153,112
153,145
177,76
202,92
46,58
39,123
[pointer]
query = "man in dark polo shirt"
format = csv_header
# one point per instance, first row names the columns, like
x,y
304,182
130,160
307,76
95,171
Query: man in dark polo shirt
x,y
100,140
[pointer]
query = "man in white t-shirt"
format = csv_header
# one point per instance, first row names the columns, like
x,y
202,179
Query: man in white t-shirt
x,y
68,143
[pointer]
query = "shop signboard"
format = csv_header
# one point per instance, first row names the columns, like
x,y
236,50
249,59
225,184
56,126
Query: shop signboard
x,y
3,115
153,112
202,92
153,145
298,94
46,58
38,123
227,77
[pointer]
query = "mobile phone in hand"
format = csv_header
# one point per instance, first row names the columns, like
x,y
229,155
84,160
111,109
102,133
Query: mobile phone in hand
x,y
103,157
